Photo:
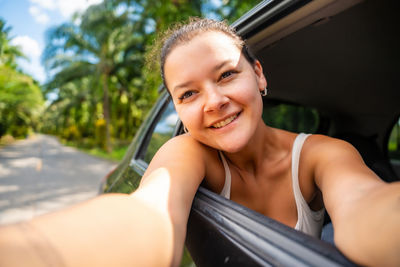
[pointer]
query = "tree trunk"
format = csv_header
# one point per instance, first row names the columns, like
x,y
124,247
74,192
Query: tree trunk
x,y
106,112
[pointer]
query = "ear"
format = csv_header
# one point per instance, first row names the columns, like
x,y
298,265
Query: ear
x,y
261,80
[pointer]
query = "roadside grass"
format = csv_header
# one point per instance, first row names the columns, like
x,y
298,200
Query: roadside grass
x,y
116,155
6,140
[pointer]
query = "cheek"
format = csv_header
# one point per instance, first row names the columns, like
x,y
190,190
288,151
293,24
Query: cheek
x,y
248,92
190,115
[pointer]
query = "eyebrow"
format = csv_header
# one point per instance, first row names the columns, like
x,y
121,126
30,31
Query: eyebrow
x,y
217,67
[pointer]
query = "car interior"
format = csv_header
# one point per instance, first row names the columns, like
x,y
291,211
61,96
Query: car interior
x,y
340,58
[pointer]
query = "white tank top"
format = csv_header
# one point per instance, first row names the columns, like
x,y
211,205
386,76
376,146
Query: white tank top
x,y
308,221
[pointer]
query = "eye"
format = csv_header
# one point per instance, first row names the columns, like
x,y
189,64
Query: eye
x,y
227,74
186,95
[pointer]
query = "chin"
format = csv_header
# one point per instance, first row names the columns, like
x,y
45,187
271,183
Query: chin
x,y
233,146
231,142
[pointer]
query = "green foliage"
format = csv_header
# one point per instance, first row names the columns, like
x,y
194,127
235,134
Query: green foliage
x,y
100,133
71,133
291,117
394,142
8,52
116,155
21,99
231,10
86,146
105,49
6,140
21,102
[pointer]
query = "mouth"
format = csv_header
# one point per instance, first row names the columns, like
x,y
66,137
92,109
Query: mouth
x,y
225,122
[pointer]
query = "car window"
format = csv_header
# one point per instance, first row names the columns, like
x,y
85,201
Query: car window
x,y
394,147
163,130
291,117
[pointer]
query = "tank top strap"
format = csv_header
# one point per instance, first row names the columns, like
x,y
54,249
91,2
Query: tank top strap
x,y
308,221
296,150
226,190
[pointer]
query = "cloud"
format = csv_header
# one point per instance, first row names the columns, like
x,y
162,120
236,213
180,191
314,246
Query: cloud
x,y
29,46
44,4
33,68
64,7
39,15
68,8
32,50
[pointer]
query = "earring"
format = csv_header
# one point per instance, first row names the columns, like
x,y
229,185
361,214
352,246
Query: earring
x,y
185,129
264,92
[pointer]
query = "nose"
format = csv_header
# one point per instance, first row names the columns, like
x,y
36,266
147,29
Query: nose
x,y
215,99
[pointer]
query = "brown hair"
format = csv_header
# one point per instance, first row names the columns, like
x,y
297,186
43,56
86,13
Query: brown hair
x,y
184,32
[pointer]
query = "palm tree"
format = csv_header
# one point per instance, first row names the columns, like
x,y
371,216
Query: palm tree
x,y
99,48
8,52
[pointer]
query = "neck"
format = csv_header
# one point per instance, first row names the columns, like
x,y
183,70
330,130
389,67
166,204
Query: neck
x,y
262,146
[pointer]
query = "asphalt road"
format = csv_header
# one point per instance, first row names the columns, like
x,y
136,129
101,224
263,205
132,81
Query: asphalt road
x,y
39,175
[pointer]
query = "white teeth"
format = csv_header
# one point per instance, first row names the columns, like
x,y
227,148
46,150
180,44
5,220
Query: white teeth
x,y
224,122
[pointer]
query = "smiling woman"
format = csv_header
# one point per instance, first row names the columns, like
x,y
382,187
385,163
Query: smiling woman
x,y
217,92
225,77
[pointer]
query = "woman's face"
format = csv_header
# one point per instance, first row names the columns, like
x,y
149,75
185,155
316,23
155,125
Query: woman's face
x,y
216,91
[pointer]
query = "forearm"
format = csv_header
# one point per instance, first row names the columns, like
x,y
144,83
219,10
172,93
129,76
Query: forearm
x,y
371,234
111,230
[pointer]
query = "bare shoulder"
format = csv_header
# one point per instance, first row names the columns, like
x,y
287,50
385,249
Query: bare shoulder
x,y
331,156
183,157
319,141
339,171
183,148
185,142
323,150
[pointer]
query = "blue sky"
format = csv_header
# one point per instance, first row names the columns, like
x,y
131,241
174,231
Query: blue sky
x,y
30,19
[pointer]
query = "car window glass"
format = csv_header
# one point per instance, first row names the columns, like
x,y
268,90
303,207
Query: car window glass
x,y
291,117
394,147
163,131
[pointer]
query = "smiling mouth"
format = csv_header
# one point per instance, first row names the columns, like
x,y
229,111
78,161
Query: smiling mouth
x,y
225,122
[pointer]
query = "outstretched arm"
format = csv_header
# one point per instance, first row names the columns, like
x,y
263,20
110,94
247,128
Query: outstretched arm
x,y
365,211
146,228
110,230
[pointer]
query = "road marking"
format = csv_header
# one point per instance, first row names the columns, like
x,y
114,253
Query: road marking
x,y
39,165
